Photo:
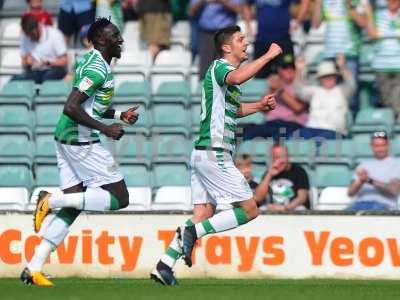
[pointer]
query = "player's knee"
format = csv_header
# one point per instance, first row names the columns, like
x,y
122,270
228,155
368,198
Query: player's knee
x,y
123,200
251,210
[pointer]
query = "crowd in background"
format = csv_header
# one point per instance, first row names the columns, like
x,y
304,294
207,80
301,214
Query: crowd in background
x,y
307,106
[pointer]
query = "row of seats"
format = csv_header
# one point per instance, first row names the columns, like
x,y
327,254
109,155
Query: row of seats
x,y
56,91
168,198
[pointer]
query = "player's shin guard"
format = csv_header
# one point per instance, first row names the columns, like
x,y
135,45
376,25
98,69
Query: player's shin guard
x,y
174,250
222,221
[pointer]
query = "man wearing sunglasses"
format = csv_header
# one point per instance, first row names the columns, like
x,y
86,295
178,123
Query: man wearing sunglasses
x,y
376,182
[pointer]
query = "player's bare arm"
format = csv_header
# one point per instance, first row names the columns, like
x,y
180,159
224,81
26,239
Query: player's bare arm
x,y
129,116
74,110
242,74
266,103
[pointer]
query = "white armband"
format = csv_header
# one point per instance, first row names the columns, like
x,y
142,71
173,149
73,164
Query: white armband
x,y
117,115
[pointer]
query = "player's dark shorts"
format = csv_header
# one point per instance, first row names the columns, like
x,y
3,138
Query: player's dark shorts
x,y
71,23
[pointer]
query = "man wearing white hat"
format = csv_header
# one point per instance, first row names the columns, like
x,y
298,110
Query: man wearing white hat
x,y
329,100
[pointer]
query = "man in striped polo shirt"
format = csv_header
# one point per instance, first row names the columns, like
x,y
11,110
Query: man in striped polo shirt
x,y
214,177
83,163
384,27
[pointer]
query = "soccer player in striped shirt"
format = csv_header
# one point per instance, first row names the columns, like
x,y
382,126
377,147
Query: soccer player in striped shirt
x,y
89,176
214,177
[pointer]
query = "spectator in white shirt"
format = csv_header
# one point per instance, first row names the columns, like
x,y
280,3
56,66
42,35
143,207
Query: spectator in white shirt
x,y
328,100
43,51
376,182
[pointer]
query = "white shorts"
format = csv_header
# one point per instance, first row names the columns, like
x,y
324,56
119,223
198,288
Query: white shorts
x,y
91,164
216,180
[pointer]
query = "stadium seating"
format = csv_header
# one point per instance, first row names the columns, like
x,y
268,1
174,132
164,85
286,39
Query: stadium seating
x,y
253,89
172,198
259,149
139,199
54,91
17,92
373,119
332,175
168,174
16,119
13,198
15,175
302,151
172,92
333,198
130,92
47,115
336,151
16,149
136,175
170,118
134,149
47,175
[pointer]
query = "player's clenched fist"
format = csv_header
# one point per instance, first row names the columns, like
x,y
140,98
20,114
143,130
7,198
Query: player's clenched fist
x,y
268,102
131,115
274,50
114,131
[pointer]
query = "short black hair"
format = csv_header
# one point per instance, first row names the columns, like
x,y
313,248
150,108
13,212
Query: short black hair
x,y
96,29
28,23
223,36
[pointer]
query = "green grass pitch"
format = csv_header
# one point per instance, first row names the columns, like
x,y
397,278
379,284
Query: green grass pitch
x,y
110,289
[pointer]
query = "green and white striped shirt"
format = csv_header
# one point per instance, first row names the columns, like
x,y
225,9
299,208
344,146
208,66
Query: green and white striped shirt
x,y
219,108
342,35
387,46
93,77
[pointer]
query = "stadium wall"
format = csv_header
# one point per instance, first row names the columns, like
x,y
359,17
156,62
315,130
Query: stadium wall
x,y
272,246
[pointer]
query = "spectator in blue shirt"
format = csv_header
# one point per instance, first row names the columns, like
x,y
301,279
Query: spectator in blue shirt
x,y
212,15
73,15
274,26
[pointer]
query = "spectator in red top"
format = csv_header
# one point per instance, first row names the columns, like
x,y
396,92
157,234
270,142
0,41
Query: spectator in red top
x,y
36,10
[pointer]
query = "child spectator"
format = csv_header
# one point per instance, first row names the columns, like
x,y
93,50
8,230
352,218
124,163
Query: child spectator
x,y
244,164
35,9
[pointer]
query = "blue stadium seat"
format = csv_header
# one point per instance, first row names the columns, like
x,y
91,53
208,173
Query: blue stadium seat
x,y
254,89
133,92
259,149
18,92
54,91
16,119
48,114
172,92
170,175
135,175
171,148
170,118
15,176
47,175
302,151
339,151
134,149
332,175
16,149
254,119
370,120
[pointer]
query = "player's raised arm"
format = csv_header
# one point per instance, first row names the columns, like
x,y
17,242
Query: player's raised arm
x,y
74,110
242,74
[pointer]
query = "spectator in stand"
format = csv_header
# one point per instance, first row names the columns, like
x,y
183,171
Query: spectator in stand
x,y
288,183
376,182
344,20
244,164
384,27
113,9
43,50
328,100
274,25
155,24
212,15
36,10
290,113
73,15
